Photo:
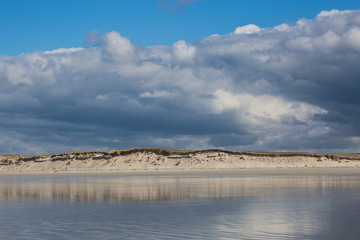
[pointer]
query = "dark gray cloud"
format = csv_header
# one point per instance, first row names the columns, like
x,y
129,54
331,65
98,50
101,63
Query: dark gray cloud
x,y
281,88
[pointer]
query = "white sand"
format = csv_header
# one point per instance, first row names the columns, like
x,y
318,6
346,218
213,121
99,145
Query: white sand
x,y
148,161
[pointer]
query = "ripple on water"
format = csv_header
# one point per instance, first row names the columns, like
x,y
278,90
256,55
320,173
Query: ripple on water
x,y
190,207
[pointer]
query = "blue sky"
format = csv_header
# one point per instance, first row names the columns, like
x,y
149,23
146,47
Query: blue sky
x,y
185,74
30,25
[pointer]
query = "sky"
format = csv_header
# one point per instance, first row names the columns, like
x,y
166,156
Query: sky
x,y
184,74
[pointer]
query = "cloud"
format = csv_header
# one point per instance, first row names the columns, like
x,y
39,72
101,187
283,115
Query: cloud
x,y
352,38
63,50
158,94
118,48
183,52
248,29
281,88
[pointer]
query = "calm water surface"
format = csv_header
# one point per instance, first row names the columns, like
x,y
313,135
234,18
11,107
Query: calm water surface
x,y
180,207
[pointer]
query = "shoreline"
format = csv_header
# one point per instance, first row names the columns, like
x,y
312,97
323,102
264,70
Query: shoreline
x,y
245,172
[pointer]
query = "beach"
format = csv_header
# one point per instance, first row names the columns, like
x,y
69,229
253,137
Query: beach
x,y
145,161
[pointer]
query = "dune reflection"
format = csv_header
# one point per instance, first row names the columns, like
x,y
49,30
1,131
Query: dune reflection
x,y
116,189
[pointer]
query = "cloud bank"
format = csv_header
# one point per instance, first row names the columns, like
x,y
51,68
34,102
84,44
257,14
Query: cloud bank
x,y
281,88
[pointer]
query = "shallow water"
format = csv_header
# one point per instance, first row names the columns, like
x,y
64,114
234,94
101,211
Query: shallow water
x,y
180,207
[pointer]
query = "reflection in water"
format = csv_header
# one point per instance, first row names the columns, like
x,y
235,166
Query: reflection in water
x,y
180,207
142,188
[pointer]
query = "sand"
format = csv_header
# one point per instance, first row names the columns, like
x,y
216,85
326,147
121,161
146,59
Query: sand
x,y
146,161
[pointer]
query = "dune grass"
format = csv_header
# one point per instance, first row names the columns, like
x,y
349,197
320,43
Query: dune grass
x,y
168,152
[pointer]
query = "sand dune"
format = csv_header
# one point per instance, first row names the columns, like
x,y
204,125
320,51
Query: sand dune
x,y
163,159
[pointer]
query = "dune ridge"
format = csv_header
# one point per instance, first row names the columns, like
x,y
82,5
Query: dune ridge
x,y
167,159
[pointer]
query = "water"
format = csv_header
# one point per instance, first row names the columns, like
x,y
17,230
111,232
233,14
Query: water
x,y
180,207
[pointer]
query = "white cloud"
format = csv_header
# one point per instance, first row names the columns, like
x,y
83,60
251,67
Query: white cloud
x,y
159,94
333,12
119,48
247,29
282,27
184,52
63,50
352,38
328,40
102,97
29,69
260,110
